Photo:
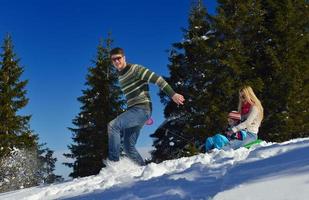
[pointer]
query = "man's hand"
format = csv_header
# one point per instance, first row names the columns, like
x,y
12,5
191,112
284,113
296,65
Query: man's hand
x,y
178,98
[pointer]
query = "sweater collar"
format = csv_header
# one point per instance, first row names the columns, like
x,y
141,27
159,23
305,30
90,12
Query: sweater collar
x,y
245,108
125,69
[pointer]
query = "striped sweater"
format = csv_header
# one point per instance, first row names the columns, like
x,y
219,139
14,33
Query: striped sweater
x,y
134,81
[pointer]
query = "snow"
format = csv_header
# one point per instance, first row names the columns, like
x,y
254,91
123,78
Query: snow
x,y
204,37
266,171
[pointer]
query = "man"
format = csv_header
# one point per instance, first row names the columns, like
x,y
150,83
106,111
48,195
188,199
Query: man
x,y
133,81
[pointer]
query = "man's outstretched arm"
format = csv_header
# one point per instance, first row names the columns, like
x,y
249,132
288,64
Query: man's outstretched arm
x,y
151,77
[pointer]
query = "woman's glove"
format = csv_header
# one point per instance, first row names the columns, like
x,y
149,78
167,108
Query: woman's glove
x,y
241,135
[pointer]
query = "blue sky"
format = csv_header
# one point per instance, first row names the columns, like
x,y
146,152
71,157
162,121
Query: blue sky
x,y
56,41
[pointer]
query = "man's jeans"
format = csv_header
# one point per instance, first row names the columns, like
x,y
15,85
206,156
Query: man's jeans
x,y
126,126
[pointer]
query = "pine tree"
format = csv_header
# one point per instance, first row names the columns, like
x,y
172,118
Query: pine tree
x,y
19,169
170,142
240,32
12,93
14,128
286,58
191,74
240,25
47,166
19,150
101,102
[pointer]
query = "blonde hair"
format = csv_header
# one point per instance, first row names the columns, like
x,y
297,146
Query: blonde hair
x,y
251,99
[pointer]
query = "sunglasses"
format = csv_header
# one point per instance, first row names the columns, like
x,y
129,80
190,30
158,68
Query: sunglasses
x,y
116,58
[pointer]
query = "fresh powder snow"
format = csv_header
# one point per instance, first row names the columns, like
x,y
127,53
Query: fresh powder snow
x,y
266,171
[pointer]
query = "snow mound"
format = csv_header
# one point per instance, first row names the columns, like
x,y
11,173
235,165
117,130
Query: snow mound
x,y
219,175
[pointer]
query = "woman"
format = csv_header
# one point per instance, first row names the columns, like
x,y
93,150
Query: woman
x,y
252,114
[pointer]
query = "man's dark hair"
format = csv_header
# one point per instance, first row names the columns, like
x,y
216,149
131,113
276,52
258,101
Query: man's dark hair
x,y
117,50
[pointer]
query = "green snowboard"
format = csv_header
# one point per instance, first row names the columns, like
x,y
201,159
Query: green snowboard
x,y
250,144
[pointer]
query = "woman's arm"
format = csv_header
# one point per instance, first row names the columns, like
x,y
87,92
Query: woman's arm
x,y
252,115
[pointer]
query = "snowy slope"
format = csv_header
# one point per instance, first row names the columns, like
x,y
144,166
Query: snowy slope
x,y
267,171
